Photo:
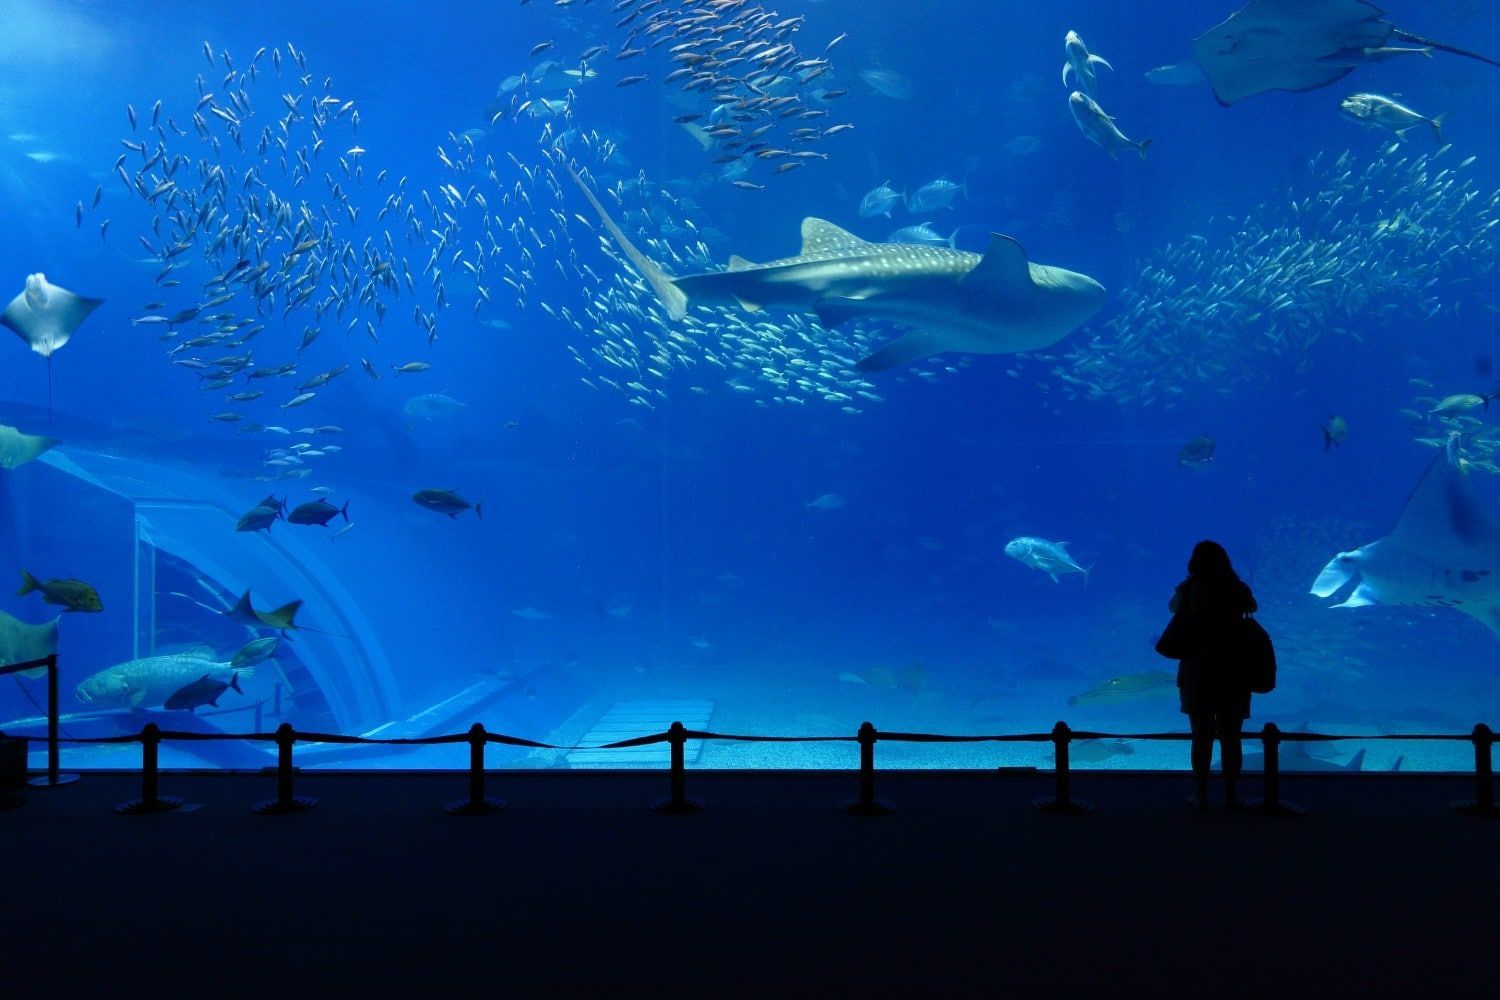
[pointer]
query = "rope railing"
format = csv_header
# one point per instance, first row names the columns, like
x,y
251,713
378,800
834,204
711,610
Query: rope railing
x,y
1061,802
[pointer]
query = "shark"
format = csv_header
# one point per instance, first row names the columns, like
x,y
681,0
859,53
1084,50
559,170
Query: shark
x,y
1443,552
997,302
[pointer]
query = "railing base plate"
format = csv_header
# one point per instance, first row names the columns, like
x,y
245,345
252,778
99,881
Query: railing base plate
x,y
1072,807
875,807
1470,807
1282,808
669,808
141,807
275,807
465,807
46,782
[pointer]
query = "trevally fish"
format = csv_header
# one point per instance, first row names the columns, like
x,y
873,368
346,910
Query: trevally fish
x,y
1051,558
1099,127
1081,64
935,196
203,691
446,502
1376,111
879,201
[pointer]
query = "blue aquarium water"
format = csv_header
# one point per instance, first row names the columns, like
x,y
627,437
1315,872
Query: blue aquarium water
x,y
374,307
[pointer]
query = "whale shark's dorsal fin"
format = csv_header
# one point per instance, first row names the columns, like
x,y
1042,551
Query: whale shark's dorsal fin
x,y
738,263
819,236
1002,270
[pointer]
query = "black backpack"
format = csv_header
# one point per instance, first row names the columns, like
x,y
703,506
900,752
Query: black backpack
x,y
1254,656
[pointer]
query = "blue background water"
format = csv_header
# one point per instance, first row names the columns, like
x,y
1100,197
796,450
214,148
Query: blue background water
x,y
696,515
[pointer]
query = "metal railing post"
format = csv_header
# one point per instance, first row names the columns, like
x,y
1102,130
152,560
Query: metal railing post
x,y
53,777
1062,803
285,801
867,804
476,804
150,801
1272,804
678,802
1483,803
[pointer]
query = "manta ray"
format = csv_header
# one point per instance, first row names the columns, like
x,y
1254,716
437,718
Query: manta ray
x,y
17,448
20,642
1297,45
997,302
45,316
1443,552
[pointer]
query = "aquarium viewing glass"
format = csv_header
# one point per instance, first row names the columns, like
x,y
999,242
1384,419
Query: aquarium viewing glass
x,y
578,368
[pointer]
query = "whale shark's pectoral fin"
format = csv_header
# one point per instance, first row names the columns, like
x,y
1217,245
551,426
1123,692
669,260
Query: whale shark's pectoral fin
x,y
1066,66
1102,62
738,263
839,309
913,347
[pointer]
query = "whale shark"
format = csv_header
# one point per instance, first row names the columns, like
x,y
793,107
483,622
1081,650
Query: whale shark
x,y
997,302
1443,552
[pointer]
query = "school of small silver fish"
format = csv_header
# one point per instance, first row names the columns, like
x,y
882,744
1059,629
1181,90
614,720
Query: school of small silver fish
x,y
750,82
1386,239
277,252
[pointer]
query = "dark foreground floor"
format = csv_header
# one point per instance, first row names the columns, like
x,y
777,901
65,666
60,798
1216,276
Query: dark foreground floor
x,y
578,889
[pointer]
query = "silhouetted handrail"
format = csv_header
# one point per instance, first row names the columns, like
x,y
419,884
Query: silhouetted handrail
x,y
285,737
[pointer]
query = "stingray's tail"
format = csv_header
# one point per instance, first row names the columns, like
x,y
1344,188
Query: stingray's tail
x,y
49,389
1418,39
672,298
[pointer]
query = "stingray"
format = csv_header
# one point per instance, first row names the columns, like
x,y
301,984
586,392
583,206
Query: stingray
x,y
45,316
20,642
1443,552
1298,45
18,449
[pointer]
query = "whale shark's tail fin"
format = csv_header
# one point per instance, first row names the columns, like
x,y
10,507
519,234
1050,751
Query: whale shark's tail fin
x,y
672,298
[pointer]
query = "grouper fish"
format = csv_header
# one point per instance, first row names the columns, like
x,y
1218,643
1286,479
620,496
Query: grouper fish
x,y
148,682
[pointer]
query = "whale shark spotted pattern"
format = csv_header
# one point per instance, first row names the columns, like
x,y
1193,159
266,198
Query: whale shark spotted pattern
x,y
997,302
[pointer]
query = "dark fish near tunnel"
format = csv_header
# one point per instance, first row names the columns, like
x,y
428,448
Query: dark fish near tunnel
x,y
446,502
318,512
1196,453
203,691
